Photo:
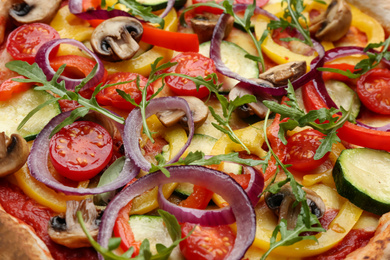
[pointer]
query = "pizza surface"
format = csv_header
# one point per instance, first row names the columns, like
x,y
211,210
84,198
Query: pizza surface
x,y
194,129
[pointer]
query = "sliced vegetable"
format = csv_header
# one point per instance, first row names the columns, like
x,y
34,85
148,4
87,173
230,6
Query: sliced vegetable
x,y
81,150
161,4
190,64
110,97
24,103
373,89
38,164
234,58
301,148
213,180
11,87
24,42
361,176
206,242
343,96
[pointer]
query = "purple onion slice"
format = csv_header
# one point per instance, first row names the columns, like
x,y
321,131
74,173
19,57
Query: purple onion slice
x,y
222,216
133,127
214,180
42,59
38,164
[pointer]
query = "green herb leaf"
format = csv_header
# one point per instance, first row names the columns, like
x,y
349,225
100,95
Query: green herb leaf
x,y
137,9
74,115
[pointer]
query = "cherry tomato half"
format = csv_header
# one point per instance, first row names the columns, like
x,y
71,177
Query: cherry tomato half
x,y
24,42
81,150
110,97
191,64
373,89
206,243
301,148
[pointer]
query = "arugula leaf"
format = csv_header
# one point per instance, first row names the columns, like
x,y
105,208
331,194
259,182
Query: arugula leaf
x,y
34,73
198,158
137,9
293,11
297,117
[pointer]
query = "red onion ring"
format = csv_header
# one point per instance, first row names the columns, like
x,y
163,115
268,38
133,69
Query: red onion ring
x,y
258,88
222,216
216,181
42,59
133,126
38,160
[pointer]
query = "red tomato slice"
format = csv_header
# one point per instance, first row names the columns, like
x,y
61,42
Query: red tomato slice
x,y
10,87
301,148
81,150
191,64
110,97
24,42
373,89
206,243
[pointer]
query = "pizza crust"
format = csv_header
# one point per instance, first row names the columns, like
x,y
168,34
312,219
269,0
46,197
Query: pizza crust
x,y
378,9
19,241
379,245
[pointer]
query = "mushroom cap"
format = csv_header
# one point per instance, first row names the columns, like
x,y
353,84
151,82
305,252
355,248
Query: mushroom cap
x,y
13,153
198,109
117,38
71,234
204,24
41,11
250,109
283,205
281,74
334,23
19,241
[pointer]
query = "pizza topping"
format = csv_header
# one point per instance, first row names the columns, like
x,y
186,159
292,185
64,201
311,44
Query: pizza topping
x,y
204,24
199,113
117,38
281,74
34,11
67,231
251,108
333,24
283,204
13,153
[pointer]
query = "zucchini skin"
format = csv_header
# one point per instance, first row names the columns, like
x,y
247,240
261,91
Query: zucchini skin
x,y
349,191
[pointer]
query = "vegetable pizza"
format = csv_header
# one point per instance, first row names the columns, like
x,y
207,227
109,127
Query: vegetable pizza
x,y
179,129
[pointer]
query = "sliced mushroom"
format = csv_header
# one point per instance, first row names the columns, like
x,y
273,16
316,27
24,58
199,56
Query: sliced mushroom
x,y
13,153
204,24
333,24
117,38
34,11
254,108
67,230
198,109
283,204
279,75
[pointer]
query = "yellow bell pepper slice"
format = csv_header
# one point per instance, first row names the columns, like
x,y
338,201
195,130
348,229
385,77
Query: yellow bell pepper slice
x,y
176,137
41,193
347,217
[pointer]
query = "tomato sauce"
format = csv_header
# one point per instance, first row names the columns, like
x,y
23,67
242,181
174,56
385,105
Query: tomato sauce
x,y
16,203
355,239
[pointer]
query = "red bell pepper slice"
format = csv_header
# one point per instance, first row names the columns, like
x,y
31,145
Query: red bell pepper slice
x,y
349,132
123,230
171,40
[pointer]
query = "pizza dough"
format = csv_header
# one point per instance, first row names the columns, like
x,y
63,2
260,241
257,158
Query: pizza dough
x,y
19,241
